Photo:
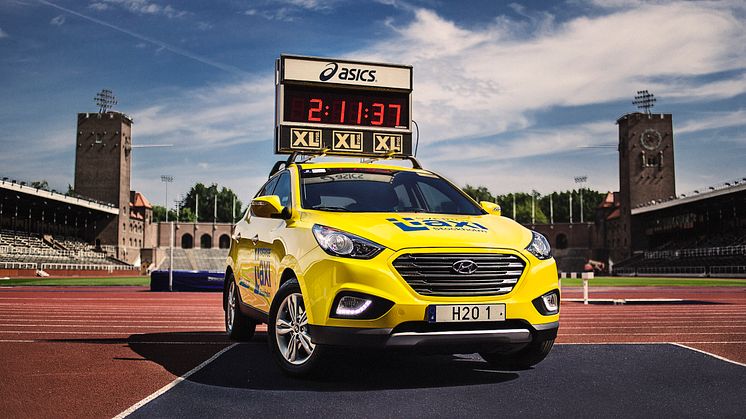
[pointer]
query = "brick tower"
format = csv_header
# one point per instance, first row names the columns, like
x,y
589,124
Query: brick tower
x,y
646,168
102,171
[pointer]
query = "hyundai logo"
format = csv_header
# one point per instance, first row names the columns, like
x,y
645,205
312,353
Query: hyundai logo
x,y
465,267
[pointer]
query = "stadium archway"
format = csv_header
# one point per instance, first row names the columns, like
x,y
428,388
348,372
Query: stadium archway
x,y
187,241
224,242
205,242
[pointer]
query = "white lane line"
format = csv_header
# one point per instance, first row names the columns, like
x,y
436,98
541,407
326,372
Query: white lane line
x,y
172,384
680,326
114,321
118,333
105,326
708,353
735,342
653,334
681,345
94,342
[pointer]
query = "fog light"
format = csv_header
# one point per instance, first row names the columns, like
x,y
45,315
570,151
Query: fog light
x,y
547,304
551,301
352,306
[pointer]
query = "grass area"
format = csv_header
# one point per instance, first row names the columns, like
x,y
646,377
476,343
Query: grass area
x,y
81,281
620,281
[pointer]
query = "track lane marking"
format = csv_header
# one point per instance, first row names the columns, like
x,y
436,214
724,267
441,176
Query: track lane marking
x,y
172,384
124,342
679,344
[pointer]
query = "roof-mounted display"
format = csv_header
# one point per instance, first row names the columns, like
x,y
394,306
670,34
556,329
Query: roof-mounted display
x,y
336,107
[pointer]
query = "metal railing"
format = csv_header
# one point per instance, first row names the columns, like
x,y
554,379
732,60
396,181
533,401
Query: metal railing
x,y
85,267
17,265
739,270
697,252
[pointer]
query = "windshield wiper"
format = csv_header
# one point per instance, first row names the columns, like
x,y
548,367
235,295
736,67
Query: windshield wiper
x,y
329,208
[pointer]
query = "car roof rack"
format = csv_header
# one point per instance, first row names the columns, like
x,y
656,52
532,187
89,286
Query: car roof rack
x,y
283,164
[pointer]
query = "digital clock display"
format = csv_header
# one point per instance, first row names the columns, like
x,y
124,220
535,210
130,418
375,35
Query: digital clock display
x,y
355,107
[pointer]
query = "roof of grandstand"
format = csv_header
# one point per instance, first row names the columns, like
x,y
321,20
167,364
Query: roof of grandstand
x,y
725,188
13,187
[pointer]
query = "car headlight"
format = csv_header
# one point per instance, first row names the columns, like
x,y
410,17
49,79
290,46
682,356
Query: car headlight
x,y
539,246
339,243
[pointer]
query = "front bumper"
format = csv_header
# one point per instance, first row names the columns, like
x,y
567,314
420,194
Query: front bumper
x,y
405,323
429,335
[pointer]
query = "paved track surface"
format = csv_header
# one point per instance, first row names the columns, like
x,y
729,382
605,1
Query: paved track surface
x,y
93,352
574,381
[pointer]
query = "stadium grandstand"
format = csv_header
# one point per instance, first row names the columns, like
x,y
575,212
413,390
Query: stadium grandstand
x,y
47,233
702,233
646,228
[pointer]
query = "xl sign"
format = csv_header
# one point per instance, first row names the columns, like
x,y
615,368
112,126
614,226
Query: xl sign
x,y
347,73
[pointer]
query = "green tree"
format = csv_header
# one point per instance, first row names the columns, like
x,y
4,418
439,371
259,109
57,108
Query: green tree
x,y
523,204
204,197
159,214
479,193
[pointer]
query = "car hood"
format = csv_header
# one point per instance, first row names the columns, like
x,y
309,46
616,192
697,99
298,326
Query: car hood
x,y
411,230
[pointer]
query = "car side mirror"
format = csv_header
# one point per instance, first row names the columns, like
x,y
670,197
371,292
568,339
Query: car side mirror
x,y
491,207
269,206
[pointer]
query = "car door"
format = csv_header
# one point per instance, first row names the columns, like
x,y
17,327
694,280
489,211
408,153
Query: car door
x,y
248,258
265,236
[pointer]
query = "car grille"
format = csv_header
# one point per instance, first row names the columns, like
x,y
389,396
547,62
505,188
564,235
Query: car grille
x,y
434,273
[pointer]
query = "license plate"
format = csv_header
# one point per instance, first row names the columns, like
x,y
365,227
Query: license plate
x,y
466,313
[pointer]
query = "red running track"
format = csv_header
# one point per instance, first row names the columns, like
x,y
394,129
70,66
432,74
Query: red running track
x,y
93,352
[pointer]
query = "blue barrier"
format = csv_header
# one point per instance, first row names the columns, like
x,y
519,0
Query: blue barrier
x,y
188,281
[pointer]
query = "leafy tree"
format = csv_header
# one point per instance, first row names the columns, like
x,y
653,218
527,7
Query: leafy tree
x,y
523,205
479,193
542,211
159,214
204,197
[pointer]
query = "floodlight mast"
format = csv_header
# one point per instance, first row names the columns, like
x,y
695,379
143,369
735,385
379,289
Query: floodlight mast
x,y
644,100
105,100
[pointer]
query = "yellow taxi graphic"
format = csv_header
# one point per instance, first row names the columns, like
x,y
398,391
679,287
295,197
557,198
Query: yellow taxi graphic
x,y
375,255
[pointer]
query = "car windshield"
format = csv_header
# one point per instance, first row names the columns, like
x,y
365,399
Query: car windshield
x,y
381,190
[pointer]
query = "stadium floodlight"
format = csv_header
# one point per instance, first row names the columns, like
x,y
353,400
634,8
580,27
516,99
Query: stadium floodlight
x,y
644,100
105,100
581,180
166,179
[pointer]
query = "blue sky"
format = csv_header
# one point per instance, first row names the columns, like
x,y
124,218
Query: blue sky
x,y
505,94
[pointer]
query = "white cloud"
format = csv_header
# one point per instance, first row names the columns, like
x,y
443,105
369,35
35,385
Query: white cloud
x,y
487,88
211,117
527,143
58,20
98,6
714,121
289,10
476,83
3,34
144,7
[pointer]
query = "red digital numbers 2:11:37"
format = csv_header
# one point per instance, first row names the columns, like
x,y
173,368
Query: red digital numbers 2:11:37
x,y
357,113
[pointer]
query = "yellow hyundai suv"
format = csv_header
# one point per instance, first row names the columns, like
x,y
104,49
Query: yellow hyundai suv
x,y
375,255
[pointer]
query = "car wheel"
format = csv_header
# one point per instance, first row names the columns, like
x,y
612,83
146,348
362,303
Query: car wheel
x,y
523,359
238,326
288,335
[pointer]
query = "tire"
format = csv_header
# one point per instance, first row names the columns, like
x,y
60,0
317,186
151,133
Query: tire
x,y
291,344
238,326
523,359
